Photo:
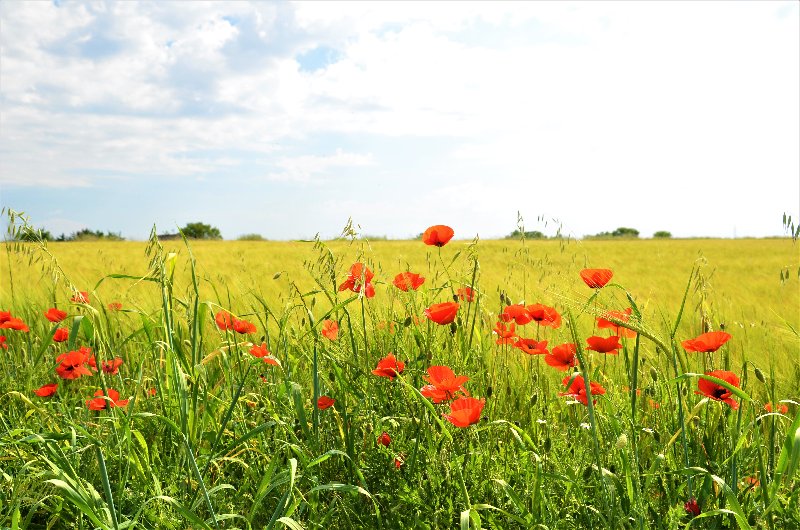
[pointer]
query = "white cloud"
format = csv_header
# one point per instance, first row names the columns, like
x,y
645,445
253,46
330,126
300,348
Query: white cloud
x,y
313,167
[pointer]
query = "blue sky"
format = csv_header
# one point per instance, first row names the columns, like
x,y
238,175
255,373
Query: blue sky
x,y
286,119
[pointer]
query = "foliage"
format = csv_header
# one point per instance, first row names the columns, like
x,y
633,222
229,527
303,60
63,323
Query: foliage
x,y
621,233
86,234
250,237
201,231
662,234
532,234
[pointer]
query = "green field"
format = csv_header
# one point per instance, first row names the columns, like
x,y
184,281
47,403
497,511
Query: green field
x,y
228,441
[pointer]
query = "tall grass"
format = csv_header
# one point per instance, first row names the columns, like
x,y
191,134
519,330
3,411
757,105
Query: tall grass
x,y
213,437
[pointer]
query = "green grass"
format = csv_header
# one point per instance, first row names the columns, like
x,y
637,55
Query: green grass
x,y
231,442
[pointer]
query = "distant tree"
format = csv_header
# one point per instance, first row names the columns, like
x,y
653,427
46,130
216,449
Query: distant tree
x,y
625,232
35,235
86,234
201,231
250,237
534,234
662,234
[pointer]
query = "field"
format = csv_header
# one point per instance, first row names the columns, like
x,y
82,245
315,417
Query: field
x,y
227,355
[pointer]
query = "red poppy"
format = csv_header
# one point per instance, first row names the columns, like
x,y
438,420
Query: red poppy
x,y
408,280
516,312
384,439
5,316
596,278
444,384
261,353
691,507
325,402
604,322
3,342
577,389
718,392
81,297
608,345
707,342
505,332
389,367
466,294
61,335
112,366
562,357
782,408
55,315
73,364
115,306
152,392
437,235
46,390
358,277
15,324
101,403
224,320
544,315
465,411
243,327
398,462
443,313
654,404
532,346
330,329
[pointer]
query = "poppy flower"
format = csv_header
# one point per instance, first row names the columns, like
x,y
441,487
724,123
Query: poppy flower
x,y
384,439
782,408
5,316
224,320
101,403
608,345
398,462
516,312
61,335
389,367
325,402
152,392
532,346
707,342
81,297
562,357
465,411
444,384
577,389
654,404
711,389
437,235
466,294
112,366
408,280
544,315
691,507
604,322
443,313
115,306
73,364
15,324
3,342
359,277
505,332
596,278
261,352
55,315
330,329
243,327
46,390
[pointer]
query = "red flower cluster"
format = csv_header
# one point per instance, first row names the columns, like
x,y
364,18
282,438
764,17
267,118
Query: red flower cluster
x,y
359,277
81,297
330,329
543,315
101,401
621,316
505,332
226,321
260,352
443,385
466,294
76,363
9,322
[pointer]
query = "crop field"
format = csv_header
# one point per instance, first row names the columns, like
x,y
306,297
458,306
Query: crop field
x,y
548,384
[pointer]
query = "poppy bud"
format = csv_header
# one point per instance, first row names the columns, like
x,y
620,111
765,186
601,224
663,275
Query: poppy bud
x,y
657,438
384,439
407,322
331,377
547,444
587,473
489,391
760,375
654,373
453,328
534,399
455,298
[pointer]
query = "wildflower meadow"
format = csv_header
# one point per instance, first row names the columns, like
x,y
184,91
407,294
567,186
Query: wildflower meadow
x,y
436,383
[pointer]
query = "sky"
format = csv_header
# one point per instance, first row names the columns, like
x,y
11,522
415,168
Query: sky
x,y
287,119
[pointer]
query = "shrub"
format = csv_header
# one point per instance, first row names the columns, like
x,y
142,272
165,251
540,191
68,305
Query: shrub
x,y
662,234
